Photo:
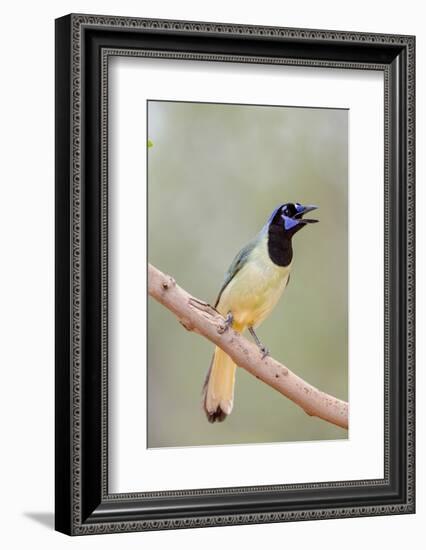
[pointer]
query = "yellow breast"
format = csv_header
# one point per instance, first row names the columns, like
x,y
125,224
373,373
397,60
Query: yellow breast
x,y
254,291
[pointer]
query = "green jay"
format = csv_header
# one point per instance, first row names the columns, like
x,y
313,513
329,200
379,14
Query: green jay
x,y
252,287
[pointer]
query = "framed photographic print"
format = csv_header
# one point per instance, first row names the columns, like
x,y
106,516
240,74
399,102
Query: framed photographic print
x,y
234,274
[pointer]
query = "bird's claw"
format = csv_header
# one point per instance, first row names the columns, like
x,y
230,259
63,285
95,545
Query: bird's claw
x,y
264,351
228,323
229,320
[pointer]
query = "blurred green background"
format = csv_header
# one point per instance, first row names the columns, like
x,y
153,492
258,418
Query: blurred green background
x,y
215,173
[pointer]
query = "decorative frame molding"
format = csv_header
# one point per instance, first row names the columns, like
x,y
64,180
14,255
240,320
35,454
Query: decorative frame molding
x,y
84,43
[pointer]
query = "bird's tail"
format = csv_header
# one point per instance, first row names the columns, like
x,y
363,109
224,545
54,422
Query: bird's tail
x,y
218,389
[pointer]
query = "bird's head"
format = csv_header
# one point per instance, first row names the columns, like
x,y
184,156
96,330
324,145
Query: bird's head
x,y
289,217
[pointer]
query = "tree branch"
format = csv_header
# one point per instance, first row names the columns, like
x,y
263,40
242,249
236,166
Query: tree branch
x,y
200,317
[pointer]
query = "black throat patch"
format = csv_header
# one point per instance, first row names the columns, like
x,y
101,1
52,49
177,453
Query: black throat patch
x,y
279,245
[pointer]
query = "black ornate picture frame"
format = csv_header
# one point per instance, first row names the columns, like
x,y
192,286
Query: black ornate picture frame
x,y
84,43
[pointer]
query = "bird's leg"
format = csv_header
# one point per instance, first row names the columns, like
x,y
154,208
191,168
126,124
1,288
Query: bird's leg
x,y
229,319
259,344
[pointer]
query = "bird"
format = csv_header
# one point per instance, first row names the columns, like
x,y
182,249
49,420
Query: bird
x,y
251,289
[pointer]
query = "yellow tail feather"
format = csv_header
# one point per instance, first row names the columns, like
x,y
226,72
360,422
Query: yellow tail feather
x,y
219,387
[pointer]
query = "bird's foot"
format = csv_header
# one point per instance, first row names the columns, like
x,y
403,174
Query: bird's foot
x,y
229,319
264,351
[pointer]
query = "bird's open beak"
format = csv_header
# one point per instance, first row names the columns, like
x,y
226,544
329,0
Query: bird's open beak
x,y
305,210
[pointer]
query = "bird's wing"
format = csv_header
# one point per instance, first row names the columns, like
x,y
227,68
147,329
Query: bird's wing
x,y
236,265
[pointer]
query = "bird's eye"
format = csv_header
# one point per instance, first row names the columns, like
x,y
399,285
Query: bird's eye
x,y
289,210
